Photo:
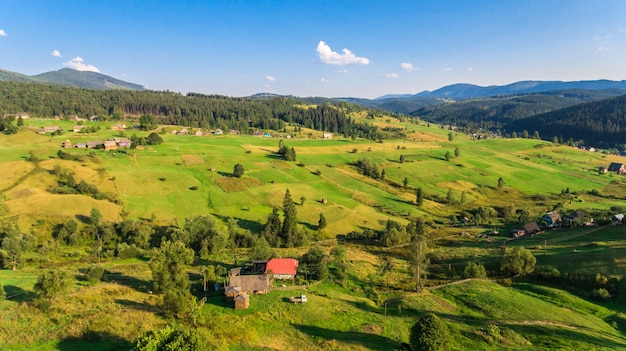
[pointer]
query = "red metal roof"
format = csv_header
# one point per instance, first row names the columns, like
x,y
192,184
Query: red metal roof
x,y
282,266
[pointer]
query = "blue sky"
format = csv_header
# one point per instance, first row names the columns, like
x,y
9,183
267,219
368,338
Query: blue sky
x,y
317,48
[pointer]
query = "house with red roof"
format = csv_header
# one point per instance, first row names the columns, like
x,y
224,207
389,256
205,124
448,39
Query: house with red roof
x,y
282,268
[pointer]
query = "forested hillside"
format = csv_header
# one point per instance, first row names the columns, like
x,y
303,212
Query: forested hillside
x,y
194,110
601,123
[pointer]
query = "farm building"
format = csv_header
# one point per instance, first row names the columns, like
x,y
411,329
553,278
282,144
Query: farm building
x,y
24,115
183,132
282,268
617,168
551,219
67,144
254,283
123,142
118,127
110,145
198,133
327,136
577,217
527,229
78,128
48,129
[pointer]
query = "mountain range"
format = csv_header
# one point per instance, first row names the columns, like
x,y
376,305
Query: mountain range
x,y
72,78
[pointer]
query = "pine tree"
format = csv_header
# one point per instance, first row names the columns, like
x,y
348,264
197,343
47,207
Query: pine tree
x,y
321,224
419,197
290,222
273,228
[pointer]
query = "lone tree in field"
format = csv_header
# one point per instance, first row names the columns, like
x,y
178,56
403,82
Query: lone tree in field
x,y
500,183
238,171
429,333
53,283
518,261
321,224
419,197
475,270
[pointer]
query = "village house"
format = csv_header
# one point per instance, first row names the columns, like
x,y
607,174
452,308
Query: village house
x,y
258,134
123,142
527,229
218,132
67,144
577,218
110,145
24,115
183,131
74,118
282,268
120,126
327,136
95,144
48,129
234,132
173,132
246,283
551,219
78,128
617,168
81,146
198,132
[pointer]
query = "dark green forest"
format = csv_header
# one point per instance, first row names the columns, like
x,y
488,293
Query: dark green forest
x,y
593,118
193,110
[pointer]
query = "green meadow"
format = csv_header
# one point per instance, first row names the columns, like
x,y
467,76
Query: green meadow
x,y
193,175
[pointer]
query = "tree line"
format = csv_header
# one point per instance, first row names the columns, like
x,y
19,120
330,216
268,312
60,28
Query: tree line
x,y
192,110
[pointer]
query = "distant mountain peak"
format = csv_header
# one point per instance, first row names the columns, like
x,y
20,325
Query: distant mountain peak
x,y
72,78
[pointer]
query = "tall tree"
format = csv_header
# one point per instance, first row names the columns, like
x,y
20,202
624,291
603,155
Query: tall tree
x,y
289,230
321,224
418,261
171,279
500,183
272,229
419,197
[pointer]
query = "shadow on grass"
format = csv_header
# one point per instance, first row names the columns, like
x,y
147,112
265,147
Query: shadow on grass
x,y
94,341
126,280
17,294
369,341
137,305
253,226
553,337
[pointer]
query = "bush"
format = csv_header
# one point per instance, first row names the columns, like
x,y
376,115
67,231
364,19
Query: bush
x,y
94,274
601,294
429,333
3,294
475,270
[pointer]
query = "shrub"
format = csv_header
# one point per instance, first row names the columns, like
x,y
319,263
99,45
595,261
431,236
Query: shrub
x,y
601,294
94,274
429,333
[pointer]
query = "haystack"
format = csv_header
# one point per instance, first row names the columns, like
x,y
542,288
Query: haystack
x,y
242,301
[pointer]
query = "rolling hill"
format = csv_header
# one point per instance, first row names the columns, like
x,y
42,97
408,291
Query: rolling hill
x,y
72,78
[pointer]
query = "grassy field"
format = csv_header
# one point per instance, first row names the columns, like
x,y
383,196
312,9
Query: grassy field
x,y
189,175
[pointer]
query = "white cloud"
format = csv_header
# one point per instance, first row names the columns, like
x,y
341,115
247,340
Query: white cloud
x,y
343,70
447,69
328,56
408,67
270,78
78,64
55,53
3,33
392,75
471,69
602,48
324,80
